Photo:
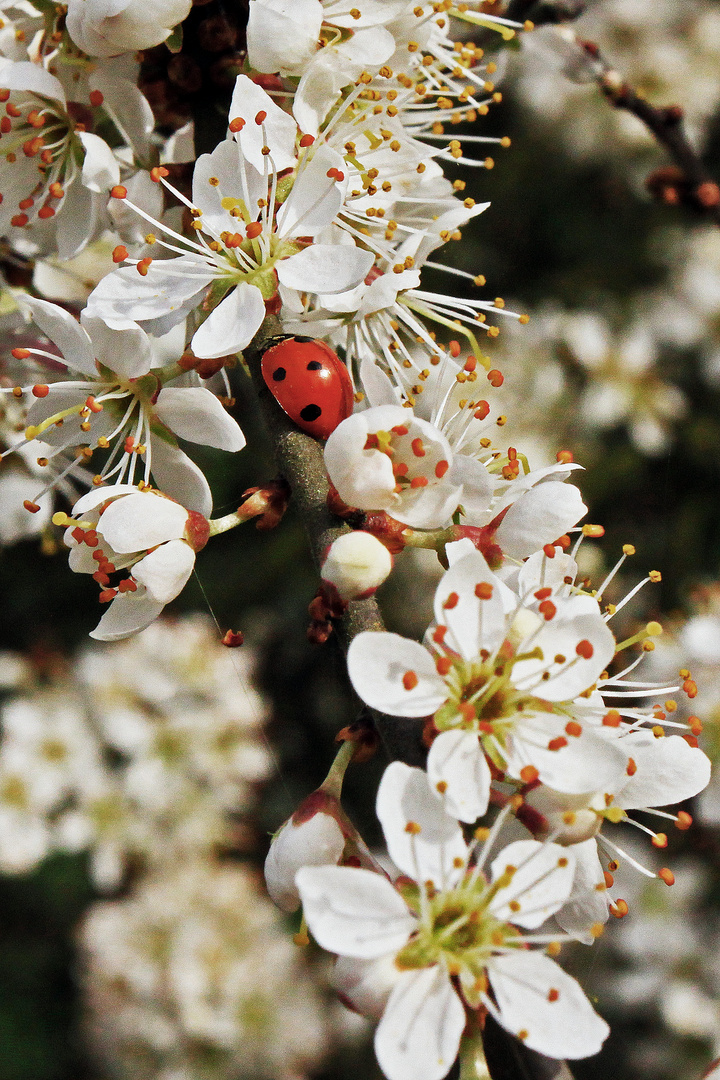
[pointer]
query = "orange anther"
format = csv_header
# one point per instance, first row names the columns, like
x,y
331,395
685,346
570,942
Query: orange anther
x,y
484,590
237,124
96,98
573,728
495,377
157,173
306,140
584,649
254,229
31,506
529,774
417,448
410,680
118,192
483,408
667,876
454,347
40,390
120,253
558,743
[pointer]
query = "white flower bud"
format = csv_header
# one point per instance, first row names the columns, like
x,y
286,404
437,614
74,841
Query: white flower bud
x,y
317,840
356,564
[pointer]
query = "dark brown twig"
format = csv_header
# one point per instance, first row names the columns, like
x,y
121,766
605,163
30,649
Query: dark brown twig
x,y
687,181
299,459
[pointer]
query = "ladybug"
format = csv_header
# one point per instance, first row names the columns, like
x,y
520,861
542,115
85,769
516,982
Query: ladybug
x,y
309,382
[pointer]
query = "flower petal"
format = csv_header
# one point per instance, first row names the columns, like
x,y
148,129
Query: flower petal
x,y
65,332
562,1025
165,571
458,771
232,324
179,477
317,841
419,1035
540,879
353,912
668,771
473,623
422,839
195,413
325,268
278,130
125,350
140,521
378,664
128,613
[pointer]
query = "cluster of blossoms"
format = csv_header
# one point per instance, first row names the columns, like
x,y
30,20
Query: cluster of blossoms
x,y
149,755
295,250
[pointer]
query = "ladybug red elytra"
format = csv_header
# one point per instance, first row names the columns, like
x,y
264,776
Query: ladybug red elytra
x,y
309,382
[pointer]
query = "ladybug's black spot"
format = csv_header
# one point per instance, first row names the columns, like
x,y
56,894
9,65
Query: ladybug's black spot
x,y
310,412
279,374
297,337
314,365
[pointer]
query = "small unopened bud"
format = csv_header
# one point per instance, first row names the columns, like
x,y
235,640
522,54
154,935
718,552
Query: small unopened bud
x,y
356,564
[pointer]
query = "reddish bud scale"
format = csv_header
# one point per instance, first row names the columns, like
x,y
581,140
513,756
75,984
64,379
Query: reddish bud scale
x,y
197,530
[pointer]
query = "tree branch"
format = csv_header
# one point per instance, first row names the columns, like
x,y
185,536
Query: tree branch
x,y
299,458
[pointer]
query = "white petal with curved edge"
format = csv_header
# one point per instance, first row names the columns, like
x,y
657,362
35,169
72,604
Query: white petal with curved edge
x,y
100,168
434,850
473,624
457,763
578,619
125,351
316,197
567,1027
99,495
179,477
587,762
65,332
283,36
668,771
195,413
377,663
540,883
325,268
587,904
232,324
277,131
353,912
140,521
127,614
419,1035
539,517
168,285
165,571
23,75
